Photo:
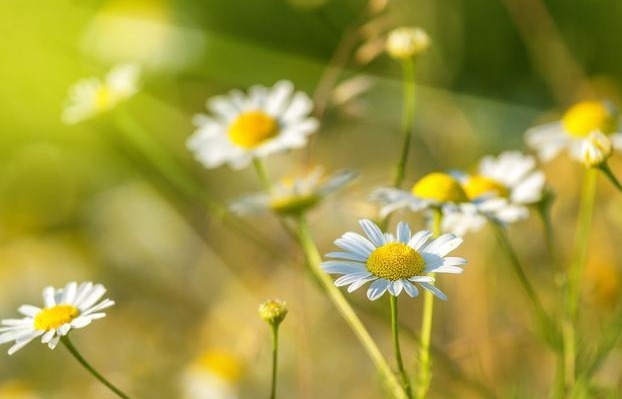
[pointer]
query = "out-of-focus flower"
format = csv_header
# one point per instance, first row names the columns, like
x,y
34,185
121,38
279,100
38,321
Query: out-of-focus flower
x,y
392,262
575,126
17,390
273,311
407,42
243,127
93,96
74,306
214,375
292,196
596,149
143,31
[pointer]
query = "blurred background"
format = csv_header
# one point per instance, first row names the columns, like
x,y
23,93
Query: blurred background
x,y
80,203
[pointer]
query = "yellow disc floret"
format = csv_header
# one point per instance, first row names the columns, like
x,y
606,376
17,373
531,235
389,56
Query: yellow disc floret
x,y
586,117
252,128
223,364
54,317
395,261
103,98
439,187
477,186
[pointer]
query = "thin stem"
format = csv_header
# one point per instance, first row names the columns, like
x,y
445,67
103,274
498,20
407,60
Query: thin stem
x,y
396,347
345,310
408,117
612,178
262,174
72,349
575,273
275,356
541,316
425,360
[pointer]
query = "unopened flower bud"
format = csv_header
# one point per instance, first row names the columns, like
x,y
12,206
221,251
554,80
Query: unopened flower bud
x,y
407,42
595,149
273,311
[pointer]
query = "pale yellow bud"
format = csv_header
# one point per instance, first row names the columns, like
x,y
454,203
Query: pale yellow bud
x,y
273,311
407,42
595,149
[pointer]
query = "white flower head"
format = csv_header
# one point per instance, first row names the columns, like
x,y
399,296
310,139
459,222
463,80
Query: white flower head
x,y
575,126
392,263
596,149
407,42
90,97
254,125
74,306
292,196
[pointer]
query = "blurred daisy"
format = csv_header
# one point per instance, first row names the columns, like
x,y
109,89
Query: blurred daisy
x,y
74,306
596,149
16,390
407,42
291,196
243,127
214,375
574,127
93,96
435,190
392,262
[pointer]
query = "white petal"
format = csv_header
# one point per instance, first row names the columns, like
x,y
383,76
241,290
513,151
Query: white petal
x,y
29,310
410,289
444,244
347,256
419,239
377,288
342,267
49,297
350,278
403,232
373,232
434,290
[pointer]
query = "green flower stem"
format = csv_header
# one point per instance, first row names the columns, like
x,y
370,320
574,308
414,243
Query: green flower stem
x,y
313,258
262,174
544,322
575,273
604,167
408,118
275,356
425,360
396,347
72,349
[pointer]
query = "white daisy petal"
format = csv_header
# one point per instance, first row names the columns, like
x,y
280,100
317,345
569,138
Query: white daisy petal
x,y
419,239
347,256
342,267
373,232
443,245
403,232
410,289
350,278
358,284
377,288
439,294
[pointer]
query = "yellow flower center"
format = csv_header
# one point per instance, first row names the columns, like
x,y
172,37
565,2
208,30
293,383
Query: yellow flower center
x,y
103,97
440,187
54,317
395,261
293,204
223,364
478,185
250,129
586,117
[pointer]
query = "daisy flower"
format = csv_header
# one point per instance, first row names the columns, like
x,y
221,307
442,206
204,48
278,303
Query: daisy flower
x,y
254,125
574,127
407,42
93,96
435,190
392,262
74,306
291,196
214,375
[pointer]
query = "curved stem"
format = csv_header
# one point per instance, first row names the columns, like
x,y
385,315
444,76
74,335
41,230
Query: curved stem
x,y
396,347
575,273
275,356
408,117
345,310
262,174
72,349
612,178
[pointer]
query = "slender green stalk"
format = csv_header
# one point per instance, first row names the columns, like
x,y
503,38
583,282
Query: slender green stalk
x,y
313,258
72,349
604,167
544,322
395,331
408,118
575,273
262,174
275,356
425,360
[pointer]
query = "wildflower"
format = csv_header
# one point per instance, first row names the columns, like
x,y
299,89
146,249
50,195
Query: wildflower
x,y
90,97
595,150
392,262
244,127
292,196
212,375
273,311
74,306
16,390
407,42
574,127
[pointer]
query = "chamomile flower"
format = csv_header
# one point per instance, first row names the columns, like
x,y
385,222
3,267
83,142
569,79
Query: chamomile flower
x,y
291,196
93,96
213,375
74,306
392,263
254,125
595,150
435,190
407,42
574,127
